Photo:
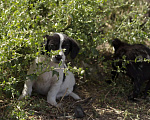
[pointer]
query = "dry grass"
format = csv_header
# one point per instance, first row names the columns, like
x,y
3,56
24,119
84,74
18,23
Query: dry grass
x,y
100,101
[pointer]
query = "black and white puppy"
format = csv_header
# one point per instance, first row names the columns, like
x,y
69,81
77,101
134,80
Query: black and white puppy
x,y
54,86
134,60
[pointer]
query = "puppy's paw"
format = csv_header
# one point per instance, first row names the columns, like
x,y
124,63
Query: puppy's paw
x,y
21,97
75,96
59,105
52,102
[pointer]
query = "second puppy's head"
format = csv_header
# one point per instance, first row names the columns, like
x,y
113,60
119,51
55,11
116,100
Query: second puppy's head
x,y
61,43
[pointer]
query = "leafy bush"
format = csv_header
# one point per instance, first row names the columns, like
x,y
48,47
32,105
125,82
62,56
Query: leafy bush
x,y
25,22
91,23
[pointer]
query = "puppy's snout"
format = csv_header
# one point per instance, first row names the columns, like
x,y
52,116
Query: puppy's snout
x,y
58,57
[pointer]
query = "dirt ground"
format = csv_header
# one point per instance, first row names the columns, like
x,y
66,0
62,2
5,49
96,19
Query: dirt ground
x,y
100,100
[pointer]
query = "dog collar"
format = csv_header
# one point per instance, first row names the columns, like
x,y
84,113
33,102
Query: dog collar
x,y
64,75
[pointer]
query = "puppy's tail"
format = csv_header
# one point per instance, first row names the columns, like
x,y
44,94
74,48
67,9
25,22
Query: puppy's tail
x,y
117,43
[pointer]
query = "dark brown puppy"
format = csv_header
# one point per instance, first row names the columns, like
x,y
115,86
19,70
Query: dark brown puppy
x,y
134,60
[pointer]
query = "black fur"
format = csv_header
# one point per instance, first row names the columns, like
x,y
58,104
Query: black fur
x,y
70,45
74,48
136,64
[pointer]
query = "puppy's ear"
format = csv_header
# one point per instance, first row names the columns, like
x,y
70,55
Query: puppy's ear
x,y
45,43
74,50
48,39
118,43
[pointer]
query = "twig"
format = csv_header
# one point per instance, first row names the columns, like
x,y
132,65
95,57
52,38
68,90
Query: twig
x,y
108,93
82,101
62,99
90,116
63,95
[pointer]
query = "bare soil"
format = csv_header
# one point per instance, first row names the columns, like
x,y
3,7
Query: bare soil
x,y
100,100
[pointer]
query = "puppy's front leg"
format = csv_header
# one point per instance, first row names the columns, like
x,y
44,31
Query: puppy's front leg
x,y
27,89
51,97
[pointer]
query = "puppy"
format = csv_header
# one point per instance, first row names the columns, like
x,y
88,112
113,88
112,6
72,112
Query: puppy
x,y
48,83
133,59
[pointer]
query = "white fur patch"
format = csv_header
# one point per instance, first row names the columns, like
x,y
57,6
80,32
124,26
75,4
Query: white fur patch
x,y
60,47
48,84
61,40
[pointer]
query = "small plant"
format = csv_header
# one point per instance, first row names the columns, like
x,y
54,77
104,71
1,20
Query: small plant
x,y
91,23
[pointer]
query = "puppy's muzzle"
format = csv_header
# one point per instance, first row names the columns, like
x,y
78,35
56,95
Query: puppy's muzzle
x,y
58,57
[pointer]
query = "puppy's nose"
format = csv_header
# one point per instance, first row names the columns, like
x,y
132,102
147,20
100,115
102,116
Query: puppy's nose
x,y
58,57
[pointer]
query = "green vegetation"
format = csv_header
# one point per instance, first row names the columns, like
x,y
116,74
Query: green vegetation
x,y
93,24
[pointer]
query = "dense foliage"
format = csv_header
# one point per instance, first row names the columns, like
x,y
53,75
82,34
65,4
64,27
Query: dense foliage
x,y
90,22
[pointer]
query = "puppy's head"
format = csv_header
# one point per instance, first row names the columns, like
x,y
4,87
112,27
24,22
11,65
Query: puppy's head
x,y
117,44
63,44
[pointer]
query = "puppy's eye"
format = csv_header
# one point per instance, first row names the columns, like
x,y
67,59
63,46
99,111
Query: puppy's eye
x,y
65,46
53,47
